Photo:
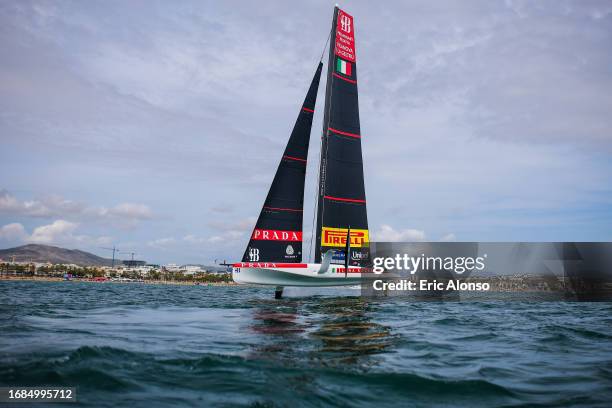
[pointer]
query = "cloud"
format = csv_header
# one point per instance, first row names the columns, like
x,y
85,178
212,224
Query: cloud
x,y
244,224
127,211
448,238
216,239
192,239
386,233
56,206
13,232
59,232
227,236
231,232
50,206
162,243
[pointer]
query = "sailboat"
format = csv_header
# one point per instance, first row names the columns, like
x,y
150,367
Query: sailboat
x,y
275,250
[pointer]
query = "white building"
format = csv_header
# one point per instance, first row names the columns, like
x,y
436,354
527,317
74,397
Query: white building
x,y
192,269
172,267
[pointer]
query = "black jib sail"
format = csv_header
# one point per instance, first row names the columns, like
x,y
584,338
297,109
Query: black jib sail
x,y
277,236
341,196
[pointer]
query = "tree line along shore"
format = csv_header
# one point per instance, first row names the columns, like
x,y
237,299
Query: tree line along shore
x,y
61,272
4,277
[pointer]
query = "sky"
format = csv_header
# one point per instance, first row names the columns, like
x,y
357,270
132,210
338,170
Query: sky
x,y
157,126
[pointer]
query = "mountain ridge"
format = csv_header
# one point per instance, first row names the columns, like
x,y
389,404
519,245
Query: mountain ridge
x,y
53,254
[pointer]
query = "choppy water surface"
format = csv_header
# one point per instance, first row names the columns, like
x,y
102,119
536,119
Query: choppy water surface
x,y
142,345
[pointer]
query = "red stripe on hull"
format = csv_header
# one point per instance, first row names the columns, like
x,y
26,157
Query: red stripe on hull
x,y
268,265
308,110
352,81
348,200
340,132
291,265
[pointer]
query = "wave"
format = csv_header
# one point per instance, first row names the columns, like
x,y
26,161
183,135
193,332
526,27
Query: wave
x,y
197,346
99,370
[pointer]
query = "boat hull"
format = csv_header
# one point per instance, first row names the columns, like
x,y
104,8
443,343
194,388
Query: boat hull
x,y
271,274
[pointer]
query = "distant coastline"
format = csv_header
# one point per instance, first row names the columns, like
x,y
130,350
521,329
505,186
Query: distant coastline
x,y
148,282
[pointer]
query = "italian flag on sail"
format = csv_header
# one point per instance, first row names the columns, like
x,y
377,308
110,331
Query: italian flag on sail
x,y
343,67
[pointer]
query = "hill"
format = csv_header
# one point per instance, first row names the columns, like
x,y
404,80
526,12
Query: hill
x,y
53,254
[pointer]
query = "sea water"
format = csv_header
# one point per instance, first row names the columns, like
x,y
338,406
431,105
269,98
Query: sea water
x,y
139,345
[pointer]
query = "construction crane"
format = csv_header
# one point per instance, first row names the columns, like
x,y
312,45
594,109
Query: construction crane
x,y
115,250
132,253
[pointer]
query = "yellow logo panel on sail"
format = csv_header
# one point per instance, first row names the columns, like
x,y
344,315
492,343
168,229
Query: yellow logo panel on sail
x,y
336,237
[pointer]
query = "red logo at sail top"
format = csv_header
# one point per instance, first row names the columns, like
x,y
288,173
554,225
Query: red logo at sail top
x,y
345,37
276,235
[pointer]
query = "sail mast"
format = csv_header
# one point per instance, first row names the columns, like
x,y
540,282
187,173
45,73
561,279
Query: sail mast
x,y
341,194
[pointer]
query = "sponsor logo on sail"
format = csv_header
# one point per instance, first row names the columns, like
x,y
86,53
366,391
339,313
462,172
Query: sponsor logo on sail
x,y
345,38
336,237
253,254
337,257
345,23
290,252
276,235
359,256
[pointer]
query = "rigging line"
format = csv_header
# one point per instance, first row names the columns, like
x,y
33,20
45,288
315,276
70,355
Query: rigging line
x,y
325,47
316,201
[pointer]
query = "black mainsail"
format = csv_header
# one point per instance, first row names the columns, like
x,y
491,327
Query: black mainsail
x,y
277,236
341,194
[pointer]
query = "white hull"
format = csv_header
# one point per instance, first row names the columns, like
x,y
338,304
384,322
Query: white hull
x,y
280,274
